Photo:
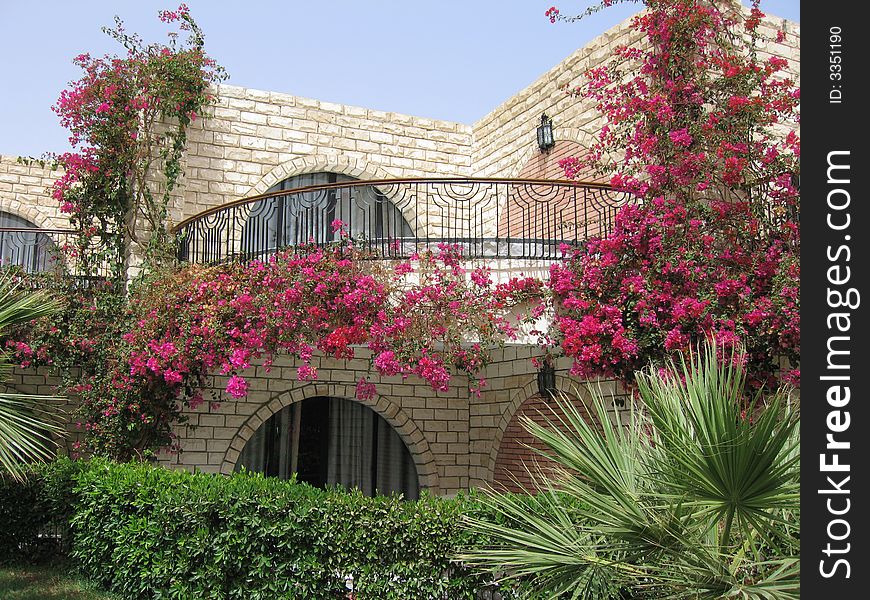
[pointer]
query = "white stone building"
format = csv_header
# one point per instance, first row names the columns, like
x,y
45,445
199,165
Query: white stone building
x,y
256,141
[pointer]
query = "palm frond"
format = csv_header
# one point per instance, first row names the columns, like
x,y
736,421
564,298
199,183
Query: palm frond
x,y
727,465
19,306
25,432
690,499
26,428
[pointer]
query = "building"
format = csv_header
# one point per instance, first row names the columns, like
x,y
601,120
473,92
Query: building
x,y
425,180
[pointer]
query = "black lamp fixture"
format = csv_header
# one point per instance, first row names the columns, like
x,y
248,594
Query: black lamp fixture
x,y
545,133
546,379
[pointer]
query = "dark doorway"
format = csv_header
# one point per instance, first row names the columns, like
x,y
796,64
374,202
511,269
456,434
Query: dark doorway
x,y
333,441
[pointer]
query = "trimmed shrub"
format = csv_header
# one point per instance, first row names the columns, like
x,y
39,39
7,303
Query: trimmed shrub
x,y
35,511
148,532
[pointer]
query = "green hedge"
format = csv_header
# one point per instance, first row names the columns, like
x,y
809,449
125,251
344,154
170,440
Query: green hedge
x,y
148,532
35,512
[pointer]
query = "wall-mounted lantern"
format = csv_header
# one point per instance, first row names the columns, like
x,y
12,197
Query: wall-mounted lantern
x,y
546,380
545,133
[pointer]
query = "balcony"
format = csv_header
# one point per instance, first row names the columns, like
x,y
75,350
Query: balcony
x,y
394,218
36,256
31,249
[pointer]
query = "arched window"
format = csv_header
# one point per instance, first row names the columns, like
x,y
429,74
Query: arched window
x,y
33,252
333,441
301,217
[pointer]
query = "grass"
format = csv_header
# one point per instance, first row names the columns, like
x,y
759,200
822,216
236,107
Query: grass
x,y
46,582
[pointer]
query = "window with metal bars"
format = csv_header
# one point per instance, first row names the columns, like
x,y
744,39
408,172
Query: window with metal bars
x,y
32,251
307,216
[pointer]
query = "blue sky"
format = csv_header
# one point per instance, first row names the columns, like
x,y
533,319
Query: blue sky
x,y
449,59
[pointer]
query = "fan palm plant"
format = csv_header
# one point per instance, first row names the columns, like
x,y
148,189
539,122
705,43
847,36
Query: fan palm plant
x,y
693,498
25,428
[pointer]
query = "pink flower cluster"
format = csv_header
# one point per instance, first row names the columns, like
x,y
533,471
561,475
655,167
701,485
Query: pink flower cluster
x,y
668,277
682,124
170,16
111,113
427,325
199,321
712,249
552,13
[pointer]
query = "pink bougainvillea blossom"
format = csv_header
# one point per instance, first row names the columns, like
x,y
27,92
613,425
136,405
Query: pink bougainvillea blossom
x,y
237,386
711,248
306,303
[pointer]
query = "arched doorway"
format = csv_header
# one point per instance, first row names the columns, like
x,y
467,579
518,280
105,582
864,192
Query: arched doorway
x,y
333,441
518,453
294,219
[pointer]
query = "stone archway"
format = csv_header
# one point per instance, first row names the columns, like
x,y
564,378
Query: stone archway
x,y
400,196
391,412
509,448
25,243
571,142
314,164
544,212
29,213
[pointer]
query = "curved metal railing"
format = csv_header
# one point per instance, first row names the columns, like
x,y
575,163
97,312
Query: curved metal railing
x,y
32,252
32,249
487,218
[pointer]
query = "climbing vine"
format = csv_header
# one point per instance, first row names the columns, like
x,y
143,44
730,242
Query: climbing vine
x,y
702,131
127,117
426,317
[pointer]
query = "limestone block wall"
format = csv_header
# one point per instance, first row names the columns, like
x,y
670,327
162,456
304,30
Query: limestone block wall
x,y
433,425
25,191
42,381
253,139
504,140
453,436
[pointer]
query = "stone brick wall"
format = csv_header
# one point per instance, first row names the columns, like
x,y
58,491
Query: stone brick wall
x,y
25,191
504,140
434,426
253,139
41,381
453,437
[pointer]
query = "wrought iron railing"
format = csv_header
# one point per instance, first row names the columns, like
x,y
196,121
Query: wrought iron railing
x,y
36,252
32,250
487,218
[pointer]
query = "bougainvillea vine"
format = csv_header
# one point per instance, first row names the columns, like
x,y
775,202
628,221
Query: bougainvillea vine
x,y
703,132
427,317
128,117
